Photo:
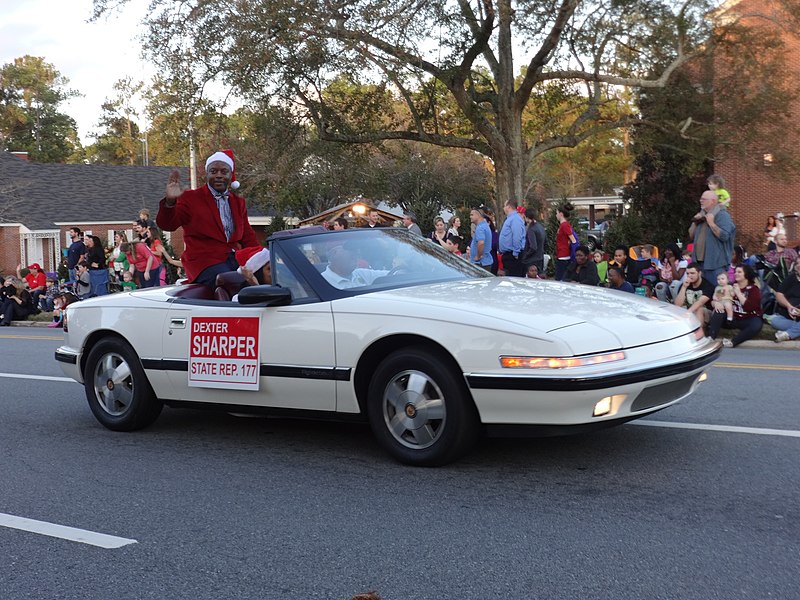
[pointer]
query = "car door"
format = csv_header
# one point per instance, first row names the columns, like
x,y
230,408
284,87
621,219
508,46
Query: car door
x,y
211,347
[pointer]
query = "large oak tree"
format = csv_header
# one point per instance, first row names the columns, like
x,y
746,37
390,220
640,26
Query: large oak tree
x,y
467,69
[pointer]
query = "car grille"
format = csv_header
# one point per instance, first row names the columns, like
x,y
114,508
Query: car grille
x,y
662,394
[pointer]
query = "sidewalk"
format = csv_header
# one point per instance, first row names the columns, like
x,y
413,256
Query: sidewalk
x,y
768,344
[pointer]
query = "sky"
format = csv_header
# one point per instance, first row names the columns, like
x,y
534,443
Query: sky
x,y
91,55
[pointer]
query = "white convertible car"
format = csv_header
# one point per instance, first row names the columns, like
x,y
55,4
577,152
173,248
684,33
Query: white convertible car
x,y
384,326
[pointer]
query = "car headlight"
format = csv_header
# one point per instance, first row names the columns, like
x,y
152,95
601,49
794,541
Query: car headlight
x,y
544,362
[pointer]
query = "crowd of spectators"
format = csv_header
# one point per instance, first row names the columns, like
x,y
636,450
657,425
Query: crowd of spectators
x,y
92,270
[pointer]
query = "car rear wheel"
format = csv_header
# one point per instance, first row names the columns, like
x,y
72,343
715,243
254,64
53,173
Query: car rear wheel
x,y
420,409
119,394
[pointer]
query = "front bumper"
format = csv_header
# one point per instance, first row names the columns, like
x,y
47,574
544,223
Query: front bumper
x,y
567,400
70,361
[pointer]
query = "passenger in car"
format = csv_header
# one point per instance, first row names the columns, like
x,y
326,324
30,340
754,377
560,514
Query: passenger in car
x,y
342,273
255,265
255,269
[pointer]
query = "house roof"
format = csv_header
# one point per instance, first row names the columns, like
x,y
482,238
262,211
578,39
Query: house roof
x,y
40,195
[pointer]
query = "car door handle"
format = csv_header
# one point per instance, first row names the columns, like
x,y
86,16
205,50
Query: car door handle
x,y
177,323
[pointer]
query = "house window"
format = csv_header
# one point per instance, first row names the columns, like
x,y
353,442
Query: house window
x,y
769,160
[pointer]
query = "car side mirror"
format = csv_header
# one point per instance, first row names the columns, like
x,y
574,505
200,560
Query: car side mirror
x,y
268,295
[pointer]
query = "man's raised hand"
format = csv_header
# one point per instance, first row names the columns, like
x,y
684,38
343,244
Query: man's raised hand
x,y
174,188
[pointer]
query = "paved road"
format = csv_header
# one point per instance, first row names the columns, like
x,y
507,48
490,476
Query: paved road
x,y
228,507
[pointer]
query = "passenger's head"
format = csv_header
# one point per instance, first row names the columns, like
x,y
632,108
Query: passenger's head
x,y
339,223
341,261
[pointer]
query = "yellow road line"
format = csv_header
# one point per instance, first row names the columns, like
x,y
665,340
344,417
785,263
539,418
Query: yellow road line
x,y
30,337
726,365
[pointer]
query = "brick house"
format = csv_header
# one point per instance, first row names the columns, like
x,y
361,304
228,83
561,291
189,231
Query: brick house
x,y
39,203
755,190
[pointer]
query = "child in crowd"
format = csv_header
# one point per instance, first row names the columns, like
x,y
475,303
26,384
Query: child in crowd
x,y
60,303
653,264
717,184
128,284
723,294
83,285
602,266
47,300
533,272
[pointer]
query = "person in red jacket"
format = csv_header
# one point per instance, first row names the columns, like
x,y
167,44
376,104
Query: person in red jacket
x,y
214,220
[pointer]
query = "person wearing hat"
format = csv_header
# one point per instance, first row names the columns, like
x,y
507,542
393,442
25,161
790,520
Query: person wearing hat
x,y
410,221
36,280
254,266
214,220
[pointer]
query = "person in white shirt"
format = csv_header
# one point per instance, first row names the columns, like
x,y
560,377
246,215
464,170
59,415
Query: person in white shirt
x,y
342,273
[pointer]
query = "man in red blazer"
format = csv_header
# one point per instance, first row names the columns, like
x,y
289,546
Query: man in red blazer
x,y
214,221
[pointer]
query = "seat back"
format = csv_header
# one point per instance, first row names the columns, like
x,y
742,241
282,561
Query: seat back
x,y
228,284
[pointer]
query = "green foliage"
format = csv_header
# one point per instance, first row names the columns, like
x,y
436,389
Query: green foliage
x,y
278,224
628,231
31,91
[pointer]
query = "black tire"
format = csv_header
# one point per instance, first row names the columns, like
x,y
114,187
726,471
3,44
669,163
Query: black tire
x,y
420,410
119,394
591,244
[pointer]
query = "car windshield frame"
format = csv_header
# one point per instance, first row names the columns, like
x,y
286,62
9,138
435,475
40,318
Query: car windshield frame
x,y
374,248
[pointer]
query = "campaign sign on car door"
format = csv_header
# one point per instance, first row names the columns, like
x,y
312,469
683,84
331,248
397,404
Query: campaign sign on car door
x,y
224,352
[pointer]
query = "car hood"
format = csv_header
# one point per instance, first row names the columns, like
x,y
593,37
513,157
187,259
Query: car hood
x,y
589,319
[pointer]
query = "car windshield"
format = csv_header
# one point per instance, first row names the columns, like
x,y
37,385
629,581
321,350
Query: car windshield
x,y
365,260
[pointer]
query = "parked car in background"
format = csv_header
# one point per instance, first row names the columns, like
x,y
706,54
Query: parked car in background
x,y
595,238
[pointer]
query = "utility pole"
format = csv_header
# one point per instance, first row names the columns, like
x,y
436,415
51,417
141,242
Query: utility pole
x,y
192,157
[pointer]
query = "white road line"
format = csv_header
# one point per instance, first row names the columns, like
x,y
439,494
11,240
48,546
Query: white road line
x,y
101,540
37,377
723,428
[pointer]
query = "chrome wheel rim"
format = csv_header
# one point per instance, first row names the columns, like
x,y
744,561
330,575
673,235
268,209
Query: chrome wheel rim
x,y
414,409
113,384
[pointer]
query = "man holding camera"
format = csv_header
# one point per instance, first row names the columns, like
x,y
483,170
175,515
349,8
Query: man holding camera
x,y
712,232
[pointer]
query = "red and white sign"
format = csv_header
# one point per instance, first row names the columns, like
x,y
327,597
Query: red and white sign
x,y
224,352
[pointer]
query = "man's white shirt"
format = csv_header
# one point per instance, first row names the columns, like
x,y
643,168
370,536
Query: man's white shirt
x,y
358,278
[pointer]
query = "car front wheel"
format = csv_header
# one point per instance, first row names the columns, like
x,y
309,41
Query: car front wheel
x,y
420,409
119,394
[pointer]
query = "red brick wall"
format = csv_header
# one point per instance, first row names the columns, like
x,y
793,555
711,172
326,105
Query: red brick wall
x,y
9,249
756,190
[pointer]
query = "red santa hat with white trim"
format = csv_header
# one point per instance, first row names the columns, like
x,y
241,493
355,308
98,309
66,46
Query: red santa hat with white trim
x,y
254,258
225,156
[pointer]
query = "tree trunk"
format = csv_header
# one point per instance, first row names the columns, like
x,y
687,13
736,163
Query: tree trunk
x,y
510,161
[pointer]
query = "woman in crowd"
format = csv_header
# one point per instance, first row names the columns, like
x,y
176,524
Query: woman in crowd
x,y
453,226
565,238
17,303
737,260
770,231
746,309
160,252
141,261
670,273
96,260
119,260
439,233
